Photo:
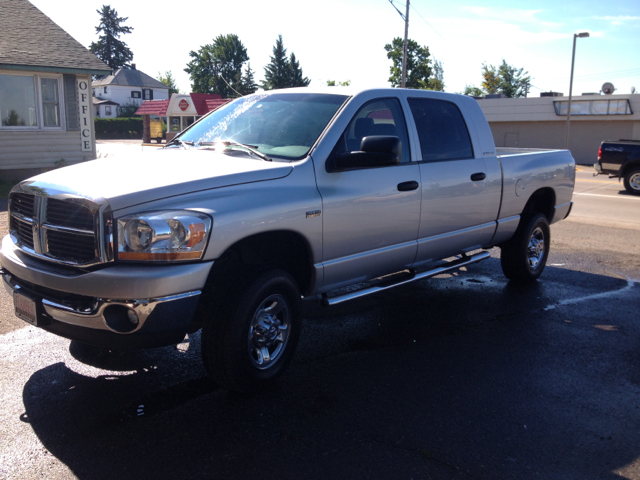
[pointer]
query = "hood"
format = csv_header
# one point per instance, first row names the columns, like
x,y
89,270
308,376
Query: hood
x,y
129,180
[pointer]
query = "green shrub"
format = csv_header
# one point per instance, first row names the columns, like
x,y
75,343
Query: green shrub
x,y
127,126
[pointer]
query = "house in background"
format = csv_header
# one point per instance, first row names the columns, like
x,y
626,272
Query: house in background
x,y
46,113
126,87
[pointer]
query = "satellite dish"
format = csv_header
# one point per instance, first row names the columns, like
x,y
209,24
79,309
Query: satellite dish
x,y
607,88
633,90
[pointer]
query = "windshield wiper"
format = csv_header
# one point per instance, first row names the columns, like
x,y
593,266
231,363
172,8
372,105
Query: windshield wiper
x,y
249,148
177,141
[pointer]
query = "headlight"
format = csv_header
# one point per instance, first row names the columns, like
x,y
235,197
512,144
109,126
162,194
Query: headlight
x,y
174,235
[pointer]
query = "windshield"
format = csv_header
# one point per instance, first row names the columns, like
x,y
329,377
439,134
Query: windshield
x,y
281,125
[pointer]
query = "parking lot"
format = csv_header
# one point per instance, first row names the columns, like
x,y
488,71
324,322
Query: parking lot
x,y
463,376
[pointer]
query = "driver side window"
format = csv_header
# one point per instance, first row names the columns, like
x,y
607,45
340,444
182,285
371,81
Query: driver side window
x,y
377,117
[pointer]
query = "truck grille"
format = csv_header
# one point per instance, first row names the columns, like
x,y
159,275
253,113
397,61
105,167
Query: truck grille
x,y
66,231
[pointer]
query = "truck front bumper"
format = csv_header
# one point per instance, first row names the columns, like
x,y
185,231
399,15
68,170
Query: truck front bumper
x,y
120,306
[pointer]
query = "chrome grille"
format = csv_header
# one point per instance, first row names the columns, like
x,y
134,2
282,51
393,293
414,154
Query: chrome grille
x,y
63,230
71,247
22,204
23,231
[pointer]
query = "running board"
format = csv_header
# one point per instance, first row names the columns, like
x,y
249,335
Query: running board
x,y
461,262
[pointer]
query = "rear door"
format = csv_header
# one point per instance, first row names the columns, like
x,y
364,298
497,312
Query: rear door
x,y
460,195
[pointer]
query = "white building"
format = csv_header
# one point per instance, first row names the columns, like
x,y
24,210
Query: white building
x,y
46,117
127,87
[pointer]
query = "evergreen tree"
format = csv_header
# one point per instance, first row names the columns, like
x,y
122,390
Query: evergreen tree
x,y
109,48
247,83
217,67
296,78
276,74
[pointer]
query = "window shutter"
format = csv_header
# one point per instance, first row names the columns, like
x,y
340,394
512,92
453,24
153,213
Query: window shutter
x,y
71,103
150,94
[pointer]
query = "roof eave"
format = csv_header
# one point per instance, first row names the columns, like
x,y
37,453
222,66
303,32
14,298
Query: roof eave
x,y
43,68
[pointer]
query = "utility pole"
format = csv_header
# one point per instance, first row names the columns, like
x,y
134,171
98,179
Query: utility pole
x,y
404,50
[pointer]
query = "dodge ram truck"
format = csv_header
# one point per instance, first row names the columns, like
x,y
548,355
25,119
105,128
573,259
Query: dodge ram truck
x,y
621,159
274,197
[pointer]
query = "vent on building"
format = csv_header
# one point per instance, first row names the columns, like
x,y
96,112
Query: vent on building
x,y
590,93
496,95
551,94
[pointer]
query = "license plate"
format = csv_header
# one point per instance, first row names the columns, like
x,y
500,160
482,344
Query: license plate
x,y
25,308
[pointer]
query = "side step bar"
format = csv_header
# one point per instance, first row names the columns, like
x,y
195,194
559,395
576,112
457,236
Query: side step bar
x,y
461,262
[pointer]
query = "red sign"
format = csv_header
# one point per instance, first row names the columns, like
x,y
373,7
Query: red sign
x,y
183,104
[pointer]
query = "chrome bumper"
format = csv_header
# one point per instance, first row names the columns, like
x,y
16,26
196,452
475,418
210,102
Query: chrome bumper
x,y
117,316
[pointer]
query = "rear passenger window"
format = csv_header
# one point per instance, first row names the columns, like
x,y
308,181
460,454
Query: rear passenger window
x,y
378,117
442,131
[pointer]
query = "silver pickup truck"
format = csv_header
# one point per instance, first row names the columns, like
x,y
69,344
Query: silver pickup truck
x,y
274,197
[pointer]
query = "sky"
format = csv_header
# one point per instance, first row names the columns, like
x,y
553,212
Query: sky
x,y
344,39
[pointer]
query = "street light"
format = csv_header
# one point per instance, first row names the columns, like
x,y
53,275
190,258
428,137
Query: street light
x,y
573,57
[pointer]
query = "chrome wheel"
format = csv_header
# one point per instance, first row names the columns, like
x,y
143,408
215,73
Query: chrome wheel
x,y
535,249
634,181
269,331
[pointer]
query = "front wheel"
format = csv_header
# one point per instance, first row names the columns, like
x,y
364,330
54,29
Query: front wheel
x,y
632,181
524,256
250,337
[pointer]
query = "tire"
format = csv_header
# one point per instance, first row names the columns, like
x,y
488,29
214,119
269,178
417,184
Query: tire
x,y
632,181
524,256
250,337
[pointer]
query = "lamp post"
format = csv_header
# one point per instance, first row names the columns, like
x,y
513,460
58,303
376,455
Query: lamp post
x,y
573,57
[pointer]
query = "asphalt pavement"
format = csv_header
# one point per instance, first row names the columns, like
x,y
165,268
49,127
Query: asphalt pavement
x,y
460,377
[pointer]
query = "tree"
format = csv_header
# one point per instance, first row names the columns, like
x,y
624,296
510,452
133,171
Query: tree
x,y
514,82
283,72
418,69
437,81
490,79
248,84
217,67
332,83
296,77
109,48
169,81
473,91
506,79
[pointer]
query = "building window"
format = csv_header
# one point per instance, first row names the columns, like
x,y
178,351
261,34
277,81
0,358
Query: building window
x,y
147,93
105,89
594,107
135,94
18,101
174,124
107,110
31,101
50,102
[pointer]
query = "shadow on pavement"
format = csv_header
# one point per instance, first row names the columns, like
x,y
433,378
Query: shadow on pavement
x,y
467,377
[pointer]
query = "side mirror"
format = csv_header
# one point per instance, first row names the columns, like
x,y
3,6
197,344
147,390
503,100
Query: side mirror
x,y
375,151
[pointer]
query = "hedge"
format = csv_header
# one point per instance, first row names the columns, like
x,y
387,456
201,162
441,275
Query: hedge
x,y
125,126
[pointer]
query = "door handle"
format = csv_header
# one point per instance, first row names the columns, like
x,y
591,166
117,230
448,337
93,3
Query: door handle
x,y
476,177
407,186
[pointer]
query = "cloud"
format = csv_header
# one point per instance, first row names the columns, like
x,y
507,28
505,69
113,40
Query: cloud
x,y
509,15
619,19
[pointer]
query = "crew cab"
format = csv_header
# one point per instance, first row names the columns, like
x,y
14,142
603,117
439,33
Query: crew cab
x,y
621,159
273,197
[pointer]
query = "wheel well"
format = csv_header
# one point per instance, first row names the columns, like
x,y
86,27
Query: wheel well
x,y
283,249
630,166
542,201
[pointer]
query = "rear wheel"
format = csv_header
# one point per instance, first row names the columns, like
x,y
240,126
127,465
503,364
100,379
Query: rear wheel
x,y
632,181
524,257
250,337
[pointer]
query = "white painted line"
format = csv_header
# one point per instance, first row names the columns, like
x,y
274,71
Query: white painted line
x,y
608,196
573,301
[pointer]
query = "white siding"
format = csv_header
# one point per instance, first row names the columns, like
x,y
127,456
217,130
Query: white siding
x,y
40,149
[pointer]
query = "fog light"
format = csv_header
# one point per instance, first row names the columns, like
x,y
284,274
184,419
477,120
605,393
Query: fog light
x,y
133,317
